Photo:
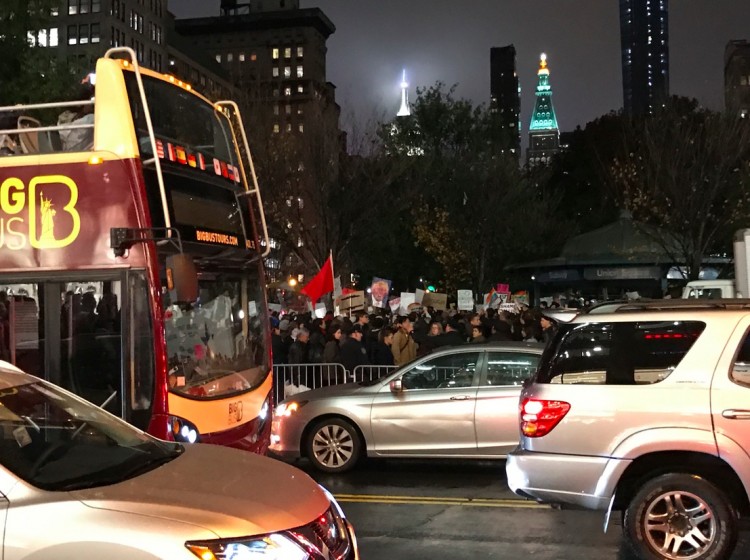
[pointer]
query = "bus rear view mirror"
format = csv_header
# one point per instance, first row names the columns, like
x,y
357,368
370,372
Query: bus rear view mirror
x,y
182,278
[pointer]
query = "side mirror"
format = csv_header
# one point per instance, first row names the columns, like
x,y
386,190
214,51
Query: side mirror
x,y
396,386
182,278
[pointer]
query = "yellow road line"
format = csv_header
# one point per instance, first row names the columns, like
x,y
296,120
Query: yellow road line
x,y
428,500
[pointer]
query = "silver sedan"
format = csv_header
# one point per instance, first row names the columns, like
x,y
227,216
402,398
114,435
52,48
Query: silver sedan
x,y
77,482
459,402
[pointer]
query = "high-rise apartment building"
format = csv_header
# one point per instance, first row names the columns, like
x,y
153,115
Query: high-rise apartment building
x,y
644,37
737,78
505,96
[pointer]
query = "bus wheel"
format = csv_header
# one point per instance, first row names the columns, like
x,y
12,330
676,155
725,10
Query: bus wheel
x,y
334,445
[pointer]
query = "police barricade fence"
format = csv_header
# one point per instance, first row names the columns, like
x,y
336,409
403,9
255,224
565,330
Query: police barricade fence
x,y
290,379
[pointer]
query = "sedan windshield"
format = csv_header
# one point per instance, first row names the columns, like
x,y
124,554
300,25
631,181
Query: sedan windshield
x,y
56,441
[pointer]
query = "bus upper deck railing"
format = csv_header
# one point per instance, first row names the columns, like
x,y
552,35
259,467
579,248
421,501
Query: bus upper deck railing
x,y
290,379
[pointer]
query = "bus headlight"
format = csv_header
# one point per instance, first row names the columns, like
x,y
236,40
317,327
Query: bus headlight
x,y
183,431
270,547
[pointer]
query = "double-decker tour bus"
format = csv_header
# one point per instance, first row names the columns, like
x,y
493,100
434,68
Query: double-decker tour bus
x,y
113,210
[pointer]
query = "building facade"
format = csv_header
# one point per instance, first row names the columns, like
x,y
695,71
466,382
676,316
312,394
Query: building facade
x,y
544,134
505,96
644,38
737,78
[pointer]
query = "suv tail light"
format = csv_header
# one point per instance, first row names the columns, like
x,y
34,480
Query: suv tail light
x,y
539,417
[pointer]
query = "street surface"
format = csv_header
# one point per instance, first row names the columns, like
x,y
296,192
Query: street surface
x,y
441,510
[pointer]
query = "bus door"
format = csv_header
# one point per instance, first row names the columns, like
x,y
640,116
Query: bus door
x,y
81,334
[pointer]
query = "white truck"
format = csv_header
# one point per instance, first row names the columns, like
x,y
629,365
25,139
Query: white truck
x,y
722,289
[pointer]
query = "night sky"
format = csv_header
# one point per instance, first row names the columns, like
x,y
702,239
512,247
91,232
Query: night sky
x,y
449,41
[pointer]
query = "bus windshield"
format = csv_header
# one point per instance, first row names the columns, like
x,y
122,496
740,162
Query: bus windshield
x,y
216,346
180,117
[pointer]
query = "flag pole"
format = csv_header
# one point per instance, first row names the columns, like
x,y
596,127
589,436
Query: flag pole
x,y
333,275
330,256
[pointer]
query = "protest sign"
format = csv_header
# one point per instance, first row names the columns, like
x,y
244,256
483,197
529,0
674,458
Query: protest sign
x,y
407,298
465,300
436,301
379,289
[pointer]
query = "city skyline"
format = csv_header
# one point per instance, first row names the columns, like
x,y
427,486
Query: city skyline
x,y
373,42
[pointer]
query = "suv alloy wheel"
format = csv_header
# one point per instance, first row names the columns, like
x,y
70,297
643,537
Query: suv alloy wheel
x,y
680,516
333,445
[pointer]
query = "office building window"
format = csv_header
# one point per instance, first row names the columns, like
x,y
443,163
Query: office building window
x,y
287,71
218,58
72,35
299,109
276,128
83,34
253,57
275,92
96,6
300,72
288,91
242,57
72,10
230,57
301,127
300,88
95,33
54,11
275,72
288,52
288,109
276,109
289,127
53,37
300,52
275,54
84,7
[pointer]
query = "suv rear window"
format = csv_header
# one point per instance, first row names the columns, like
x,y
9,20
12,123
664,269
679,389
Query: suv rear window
x,y
629,353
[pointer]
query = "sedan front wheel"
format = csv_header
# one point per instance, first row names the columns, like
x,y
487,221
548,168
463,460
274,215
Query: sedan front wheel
x,y
333,445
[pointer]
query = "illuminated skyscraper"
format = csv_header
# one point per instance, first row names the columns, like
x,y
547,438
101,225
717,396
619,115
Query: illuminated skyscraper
x,y
737,78
404,111
644,37
544,134
505,98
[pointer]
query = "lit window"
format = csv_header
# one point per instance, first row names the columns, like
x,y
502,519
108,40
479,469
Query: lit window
x,y
253,57
300,72
288,109
275,54
54,11
288,127
301,127
300,88
288,52
288,91
72,10
275,72
299,109
94,32
300,52
242,57
53,37
218,58
85,6
230,57
72,35
287,71
276,128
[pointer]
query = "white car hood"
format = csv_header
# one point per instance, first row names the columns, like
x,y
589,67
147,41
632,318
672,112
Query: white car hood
x,y
230,492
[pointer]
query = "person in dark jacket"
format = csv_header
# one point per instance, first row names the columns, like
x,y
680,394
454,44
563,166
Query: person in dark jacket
x,y
452,335
317,342
298,349
332,350
278,348
382,354
353,352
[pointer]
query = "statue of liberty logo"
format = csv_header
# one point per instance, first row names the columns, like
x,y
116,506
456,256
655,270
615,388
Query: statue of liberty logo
x,y
48,220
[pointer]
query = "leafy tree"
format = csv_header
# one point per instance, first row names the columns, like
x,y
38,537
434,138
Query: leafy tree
x,y
686,175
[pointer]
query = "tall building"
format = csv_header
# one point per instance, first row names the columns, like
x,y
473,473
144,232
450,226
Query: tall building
x,y
737,78
644,38
404,110
505,96
544,134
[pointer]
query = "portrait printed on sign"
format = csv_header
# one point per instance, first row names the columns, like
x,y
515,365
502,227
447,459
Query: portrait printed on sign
x,y
380,289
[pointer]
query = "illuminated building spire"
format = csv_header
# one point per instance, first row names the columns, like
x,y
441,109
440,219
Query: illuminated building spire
x,y
404,111
544,134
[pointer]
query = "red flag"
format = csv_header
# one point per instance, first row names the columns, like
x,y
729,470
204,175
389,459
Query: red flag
x,y
321,284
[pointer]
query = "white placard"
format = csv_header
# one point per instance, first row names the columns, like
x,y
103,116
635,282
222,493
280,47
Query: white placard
x,y
252,309
465,300
320,310
274,307
418,295
407,298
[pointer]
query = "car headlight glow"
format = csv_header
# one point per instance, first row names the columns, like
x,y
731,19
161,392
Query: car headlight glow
x,y
270,547
289,408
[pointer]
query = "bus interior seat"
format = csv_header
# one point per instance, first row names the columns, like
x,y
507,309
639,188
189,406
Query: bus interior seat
x,y
50,142
29,141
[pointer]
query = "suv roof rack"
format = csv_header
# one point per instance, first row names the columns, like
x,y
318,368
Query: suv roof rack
x,y
684,304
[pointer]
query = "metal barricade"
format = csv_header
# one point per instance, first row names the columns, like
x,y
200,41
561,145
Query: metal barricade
x,y
370,373
290,379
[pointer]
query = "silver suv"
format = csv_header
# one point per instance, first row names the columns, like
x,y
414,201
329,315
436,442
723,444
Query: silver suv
x,y
645,410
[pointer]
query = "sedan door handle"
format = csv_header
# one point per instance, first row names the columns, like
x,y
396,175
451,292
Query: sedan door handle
x,y
461,398
736,414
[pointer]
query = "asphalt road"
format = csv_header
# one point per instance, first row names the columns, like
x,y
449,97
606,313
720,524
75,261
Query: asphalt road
x,y
428,510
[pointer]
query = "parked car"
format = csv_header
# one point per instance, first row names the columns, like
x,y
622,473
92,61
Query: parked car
x,y
456,402
645,410
78,482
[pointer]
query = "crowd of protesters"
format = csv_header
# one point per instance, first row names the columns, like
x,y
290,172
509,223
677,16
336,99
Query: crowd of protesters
x,y
385,340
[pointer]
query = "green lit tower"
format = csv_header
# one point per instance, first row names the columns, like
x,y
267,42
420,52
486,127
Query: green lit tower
x,y
544,136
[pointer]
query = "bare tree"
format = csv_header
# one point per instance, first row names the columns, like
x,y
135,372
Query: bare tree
x,y
686,176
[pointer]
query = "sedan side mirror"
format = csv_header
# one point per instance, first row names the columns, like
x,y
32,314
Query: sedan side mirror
x,y
396,386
